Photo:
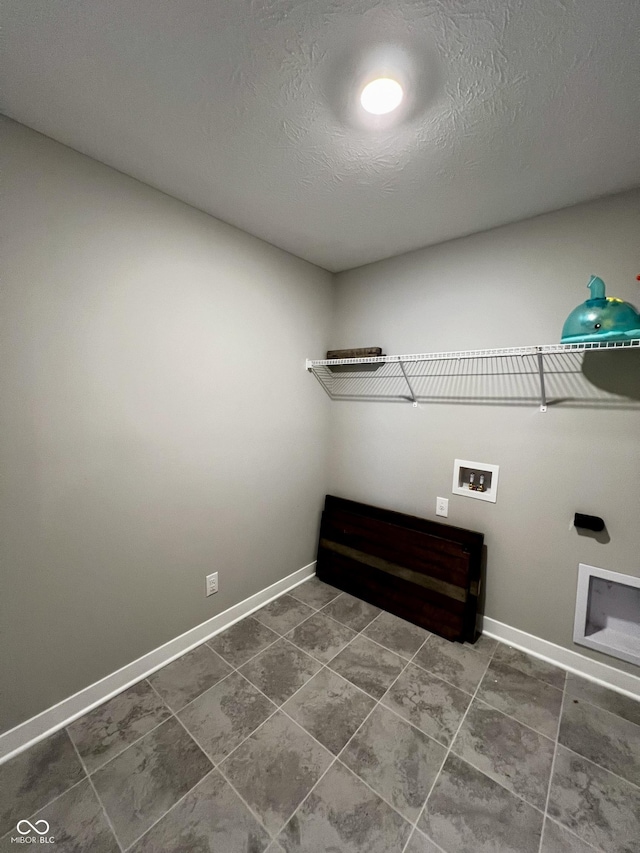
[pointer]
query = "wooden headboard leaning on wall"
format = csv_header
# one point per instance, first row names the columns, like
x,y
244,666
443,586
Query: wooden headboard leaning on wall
x,y
425,572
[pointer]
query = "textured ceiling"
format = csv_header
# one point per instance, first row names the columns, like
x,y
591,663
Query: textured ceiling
x,y
248,109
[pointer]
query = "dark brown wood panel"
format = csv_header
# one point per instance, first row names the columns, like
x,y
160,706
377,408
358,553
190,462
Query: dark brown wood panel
x,y
423,571
412,548
429,610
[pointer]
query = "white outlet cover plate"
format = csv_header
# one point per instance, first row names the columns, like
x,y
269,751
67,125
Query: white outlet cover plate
x,y
212,583
442,507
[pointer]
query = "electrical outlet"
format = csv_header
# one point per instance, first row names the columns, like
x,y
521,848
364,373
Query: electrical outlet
x,y
212,583
442,506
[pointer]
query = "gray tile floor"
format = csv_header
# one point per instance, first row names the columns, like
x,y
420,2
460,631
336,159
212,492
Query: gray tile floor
x,y
323,725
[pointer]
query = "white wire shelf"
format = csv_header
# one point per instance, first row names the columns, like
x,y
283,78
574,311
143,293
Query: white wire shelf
x,y
517,375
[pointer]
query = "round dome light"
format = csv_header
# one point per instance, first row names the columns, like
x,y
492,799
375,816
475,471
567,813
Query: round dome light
x,y
381,96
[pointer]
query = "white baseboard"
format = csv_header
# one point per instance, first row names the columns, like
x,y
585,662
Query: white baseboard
x,y
601,673
47,722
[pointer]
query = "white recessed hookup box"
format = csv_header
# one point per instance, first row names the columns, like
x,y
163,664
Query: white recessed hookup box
x,y
477,480
608,613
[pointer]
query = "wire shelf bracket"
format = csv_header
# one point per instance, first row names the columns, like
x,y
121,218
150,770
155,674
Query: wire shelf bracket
x,y
411,392
543,395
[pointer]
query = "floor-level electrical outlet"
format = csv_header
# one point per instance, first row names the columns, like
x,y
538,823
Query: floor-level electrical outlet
x,y
442,506
212,583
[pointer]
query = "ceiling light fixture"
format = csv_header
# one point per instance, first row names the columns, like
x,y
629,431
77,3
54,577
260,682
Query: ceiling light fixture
x,y
381,96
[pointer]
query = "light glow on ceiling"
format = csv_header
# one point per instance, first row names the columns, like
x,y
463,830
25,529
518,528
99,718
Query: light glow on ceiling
x,y
381,96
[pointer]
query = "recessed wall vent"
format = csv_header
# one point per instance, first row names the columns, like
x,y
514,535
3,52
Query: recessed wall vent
x,y
608,613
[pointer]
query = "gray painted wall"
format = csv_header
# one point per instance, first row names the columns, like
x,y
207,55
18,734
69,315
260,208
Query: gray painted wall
x,y
157,420
508,287
158,423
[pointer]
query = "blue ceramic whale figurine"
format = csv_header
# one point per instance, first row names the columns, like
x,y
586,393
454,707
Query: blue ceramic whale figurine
x,y
601,318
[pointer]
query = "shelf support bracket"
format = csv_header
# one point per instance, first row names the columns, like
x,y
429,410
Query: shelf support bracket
x,y
543,395
406,379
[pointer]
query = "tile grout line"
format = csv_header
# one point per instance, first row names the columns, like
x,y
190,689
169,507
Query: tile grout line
x,y
248,660
242,675
269,628
336,757
97,795
386,648
376,704
524,725
378,795
285,713
490,660
322,666
219,769
386,708
100,766
601,708
570,832
528,675
473,696
540,734
448,752
605,710
277,708
312,606
566,694
600,767
162,816
104,763
485,700
285,636
334,760
412,660
409,660
215,766
417,831
553,765
509,716
375,619
409,723
296,723
215,684
522,672
515,794
356,634
253,657
49,802
133,743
